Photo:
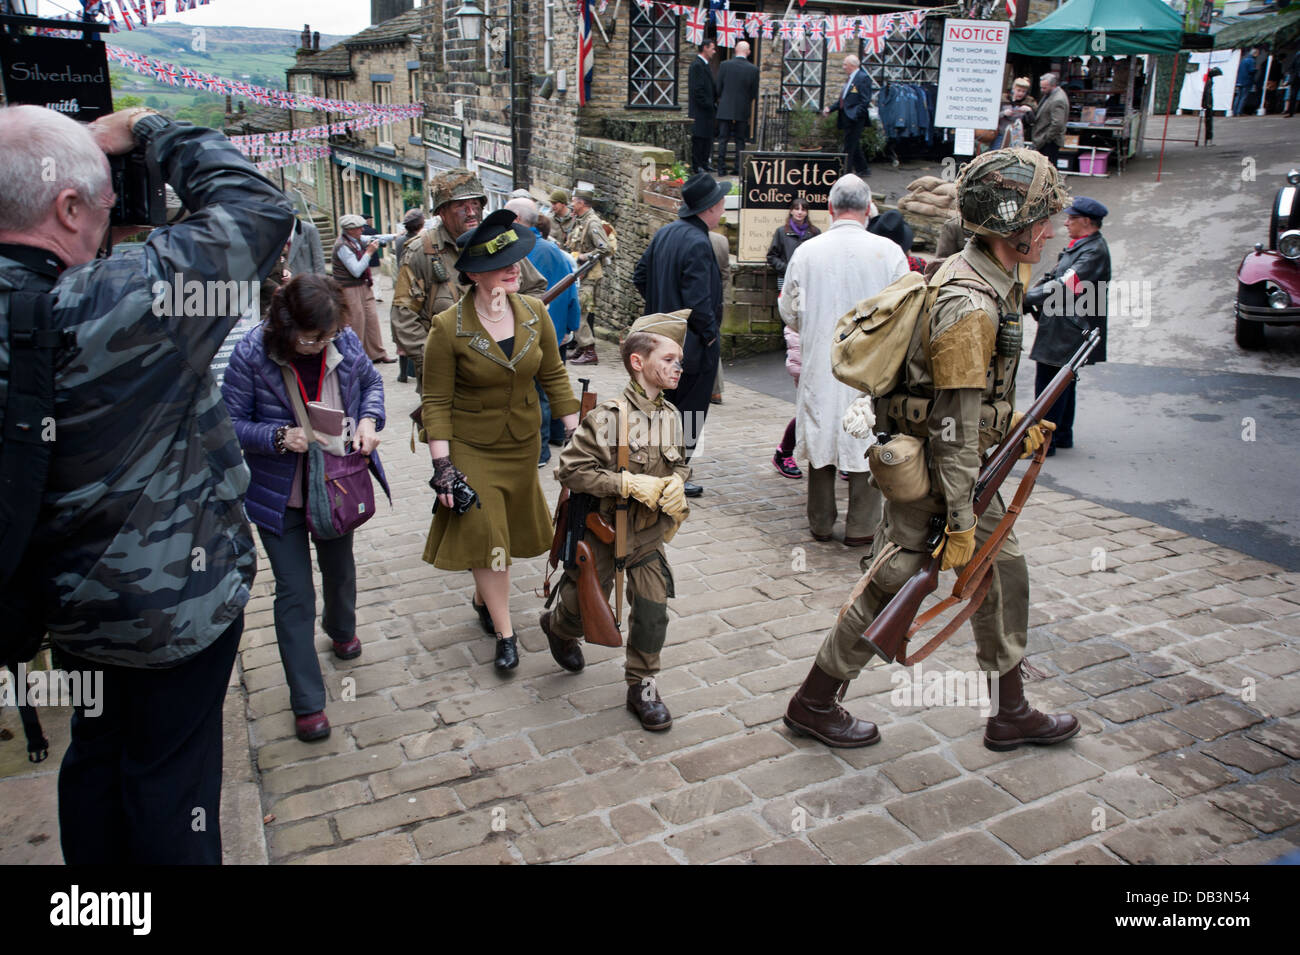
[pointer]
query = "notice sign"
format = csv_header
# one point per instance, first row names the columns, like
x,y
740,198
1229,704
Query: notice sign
x,y
770,182
970,73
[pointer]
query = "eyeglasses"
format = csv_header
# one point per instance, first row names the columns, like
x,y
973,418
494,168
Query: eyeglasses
x,y
307,343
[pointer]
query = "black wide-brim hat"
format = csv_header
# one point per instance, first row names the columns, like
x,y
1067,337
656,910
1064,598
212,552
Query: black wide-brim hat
x,y
891,225
699,193
494,244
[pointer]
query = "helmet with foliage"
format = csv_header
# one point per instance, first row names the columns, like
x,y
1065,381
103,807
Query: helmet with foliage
x,y
453,185
1007,190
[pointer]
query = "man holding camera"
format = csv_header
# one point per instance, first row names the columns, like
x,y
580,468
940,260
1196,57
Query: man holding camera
x,y
353,257
141,559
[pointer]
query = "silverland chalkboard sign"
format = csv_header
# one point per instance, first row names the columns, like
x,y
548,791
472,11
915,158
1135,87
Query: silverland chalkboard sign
x,y
770,182
70,76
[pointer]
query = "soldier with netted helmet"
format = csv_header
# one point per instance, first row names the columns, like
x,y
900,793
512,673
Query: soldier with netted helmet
x,y
956,395
427,281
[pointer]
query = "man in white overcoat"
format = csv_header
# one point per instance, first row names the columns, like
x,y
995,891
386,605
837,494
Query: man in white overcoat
x,y
828,275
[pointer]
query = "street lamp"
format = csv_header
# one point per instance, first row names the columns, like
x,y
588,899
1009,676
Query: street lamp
x,y
470,17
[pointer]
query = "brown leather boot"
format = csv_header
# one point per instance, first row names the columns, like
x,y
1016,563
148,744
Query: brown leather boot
x,y
586,356
814,712
1017,722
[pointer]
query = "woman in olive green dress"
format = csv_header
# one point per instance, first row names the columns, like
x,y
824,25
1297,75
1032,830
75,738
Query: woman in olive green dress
x,y
483,423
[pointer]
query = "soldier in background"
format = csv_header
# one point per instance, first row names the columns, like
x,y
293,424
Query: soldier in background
x,y
427,282
561,217
588,236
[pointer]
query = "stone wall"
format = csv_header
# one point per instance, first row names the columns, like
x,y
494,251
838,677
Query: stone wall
x,y
750,323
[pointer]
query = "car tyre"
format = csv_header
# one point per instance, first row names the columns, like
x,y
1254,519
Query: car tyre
x,y
1250,334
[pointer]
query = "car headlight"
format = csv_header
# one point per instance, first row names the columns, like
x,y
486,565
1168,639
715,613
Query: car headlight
x,y
1277,298
1288,244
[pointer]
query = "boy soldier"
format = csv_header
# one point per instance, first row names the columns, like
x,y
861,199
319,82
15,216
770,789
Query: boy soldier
x,y
655,484
586,237
957,395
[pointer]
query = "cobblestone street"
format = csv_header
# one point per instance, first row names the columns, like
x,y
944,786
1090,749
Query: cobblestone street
x,y
437,758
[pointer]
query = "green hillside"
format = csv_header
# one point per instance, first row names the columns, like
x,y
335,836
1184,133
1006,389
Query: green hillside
x,y
254,55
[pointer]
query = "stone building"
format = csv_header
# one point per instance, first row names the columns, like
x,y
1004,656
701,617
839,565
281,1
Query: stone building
x,y
507,105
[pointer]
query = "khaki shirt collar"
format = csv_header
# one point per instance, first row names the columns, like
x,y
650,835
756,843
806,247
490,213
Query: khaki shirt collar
x,y
635,394
989,269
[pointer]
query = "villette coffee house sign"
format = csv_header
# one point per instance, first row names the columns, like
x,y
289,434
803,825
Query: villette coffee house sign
x,y
70,76
770,182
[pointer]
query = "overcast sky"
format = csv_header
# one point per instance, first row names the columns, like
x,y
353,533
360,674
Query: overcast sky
x,y
332,16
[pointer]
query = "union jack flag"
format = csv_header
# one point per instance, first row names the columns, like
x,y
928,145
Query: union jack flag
x,y
875,36
768,27
728,27
159,8
586,52
816,28
786,29
840,30
1011,10
754,22
695,25
914,18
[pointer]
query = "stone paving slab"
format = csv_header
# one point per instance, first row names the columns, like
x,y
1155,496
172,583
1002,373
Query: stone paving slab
x,y
1181,659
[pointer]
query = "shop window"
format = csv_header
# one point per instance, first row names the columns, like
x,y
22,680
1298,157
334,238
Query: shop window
x,y
803,73
652,58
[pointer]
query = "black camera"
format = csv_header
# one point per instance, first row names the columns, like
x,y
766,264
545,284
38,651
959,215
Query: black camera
x,y
463,496
141,190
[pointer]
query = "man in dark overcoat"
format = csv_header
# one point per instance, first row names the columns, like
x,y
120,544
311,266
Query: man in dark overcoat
x,y
703,108
678,270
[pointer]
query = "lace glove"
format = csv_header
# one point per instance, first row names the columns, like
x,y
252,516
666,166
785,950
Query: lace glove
x,y
445,475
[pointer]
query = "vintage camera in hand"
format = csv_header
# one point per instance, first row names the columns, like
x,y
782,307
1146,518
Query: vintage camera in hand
x,y
141,190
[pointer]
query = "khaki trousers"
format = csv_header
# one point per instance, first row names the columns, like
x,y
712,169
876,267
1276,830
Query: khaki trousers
x,y
1001,623
864,503
363,318
649,585
585,337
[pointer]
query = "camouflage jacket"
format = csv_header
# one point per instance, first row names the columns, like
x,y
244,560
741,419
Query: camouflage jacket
x,y
418,295
146,556
588,235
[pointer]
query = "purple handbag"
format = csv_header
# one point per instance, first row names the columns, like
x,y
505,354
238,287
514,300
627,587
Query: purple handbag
x,y
340,497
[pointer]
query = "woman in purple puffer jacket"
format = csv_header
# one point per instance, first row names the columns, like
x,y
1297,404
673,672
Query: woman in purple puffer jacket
x,y
306,331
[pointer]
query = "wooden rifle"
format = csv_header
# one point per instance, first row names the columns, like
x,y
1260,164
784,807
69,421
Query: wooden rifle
x,y
897,621
556,290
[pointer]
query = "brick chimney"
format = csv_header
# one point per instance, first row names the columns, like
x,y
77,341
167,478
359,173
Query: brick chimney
x,y
381,10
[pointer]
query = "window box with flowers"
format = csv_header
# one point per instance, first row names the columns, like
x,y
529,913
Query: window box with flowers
x,y
665,191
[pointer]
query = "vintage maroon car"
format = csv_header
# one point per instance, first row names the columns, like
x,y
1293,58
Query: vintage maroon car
x,y
1268,279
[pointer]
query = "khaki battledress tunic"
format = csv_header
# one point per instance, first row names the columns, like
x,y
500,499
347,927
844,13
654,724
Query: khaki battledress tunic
x,y
588,465
587,234
958,396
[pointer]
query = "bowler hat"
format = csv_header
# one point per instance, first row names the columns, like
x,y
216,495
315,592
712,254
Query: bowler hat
x,y
494,244
890,225
1083,206
701,192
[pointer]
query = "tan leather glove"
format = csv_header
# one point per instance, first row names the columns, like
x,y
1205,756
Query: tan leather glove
x,y
958,548
1034,437
672,499
643,487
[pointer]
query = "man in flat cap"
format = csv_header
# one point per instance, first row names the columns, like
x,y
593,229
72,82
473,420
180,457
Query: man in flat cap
x,y
351,261
653,489
427,282
1069,300
587,237
561,216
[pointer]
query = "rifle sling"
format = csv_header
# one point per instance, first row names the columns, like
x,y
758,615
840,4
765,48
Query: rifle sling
x,y
620,516
976,577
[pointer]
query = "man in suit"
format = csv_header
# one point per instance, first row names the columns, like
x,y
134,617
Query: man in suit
x,y
703,106
1049,122
852,112
737,90
679,270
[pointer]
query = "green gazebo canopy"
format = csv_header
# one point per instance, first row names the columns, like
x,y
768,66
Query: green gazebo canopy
x,y
1131,26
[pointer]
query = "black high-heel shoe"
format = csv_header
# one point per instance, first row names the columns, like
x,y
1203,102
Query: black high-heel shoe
x,y
507,653
484,618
